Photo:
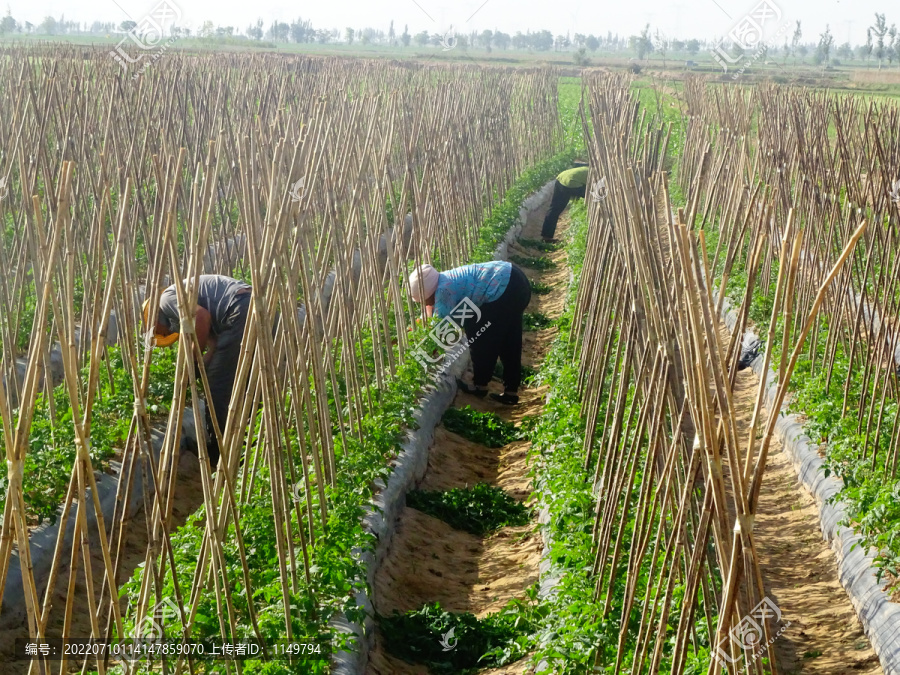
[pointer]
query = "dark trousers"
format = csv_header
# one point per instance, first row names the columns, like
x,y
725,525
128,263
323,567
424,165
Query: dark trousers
x,y
498,334
222,369
558,203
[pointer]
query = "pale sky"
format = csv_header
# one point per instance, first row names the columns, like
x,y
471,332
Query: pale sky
x,y
677,19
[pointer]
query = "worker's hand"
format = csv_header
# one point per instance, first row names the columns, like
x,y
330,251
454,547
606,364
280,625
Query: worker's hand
x,y
210,350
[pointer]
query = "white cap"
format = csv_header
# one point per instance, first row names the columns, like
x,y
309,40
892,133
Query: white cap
x,y
423,282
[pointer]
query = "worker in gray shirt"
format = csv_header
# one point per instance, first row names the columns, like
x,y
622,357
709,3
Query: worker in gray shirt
x,y
223,304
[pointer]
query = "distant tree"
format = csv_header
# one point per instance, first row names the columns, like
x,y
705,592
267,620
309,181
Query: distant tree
x,y
256,32
795,40
661,45
802,50
405,38
692,47
302,31
126,26
642,44
502,40
48,26
8,24
592,43
892,50
422,38
279,31
485,39
868,47
349,34
581,57
391,34
845,51
579,39
543,41
823,49
879,30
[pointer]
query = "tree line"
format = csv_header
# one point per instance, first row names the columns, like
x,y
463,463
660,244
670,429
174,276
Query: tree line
x,y
882,39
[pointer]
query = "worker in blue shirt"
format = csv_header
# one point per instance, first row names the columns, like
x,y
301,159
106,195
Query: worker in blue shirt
x,y
501,292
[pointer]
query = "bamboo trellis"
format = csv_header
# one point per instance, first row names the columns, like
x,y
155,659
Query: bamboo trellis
x,y
656,374
284,171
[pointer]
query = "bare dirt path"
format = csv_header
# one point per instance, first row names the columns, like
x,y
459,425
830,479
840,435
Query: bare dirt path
x,y
430,561
799,569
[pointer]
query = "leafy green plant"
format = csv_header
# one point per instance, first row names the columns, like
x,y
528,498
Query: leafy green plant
x,y
533,262
544,246
539,287
486,428
420,637
51,452
529,373
537,321
478,510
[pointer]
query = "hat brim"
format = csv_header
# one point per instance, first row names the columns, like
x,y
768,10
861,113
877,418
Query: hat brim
x,y
166,341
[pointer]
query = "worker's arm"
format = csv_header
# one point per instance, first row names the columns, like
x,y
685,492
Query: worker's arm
x,y
203,325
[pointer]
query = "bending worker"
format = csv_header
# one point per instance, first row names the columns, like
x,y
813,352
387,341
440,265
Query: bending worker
x,y
501,292
570,184
223,304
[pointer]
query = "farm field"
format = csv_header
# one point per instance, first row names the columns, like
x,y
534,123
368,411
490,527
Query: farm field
x,y
700,475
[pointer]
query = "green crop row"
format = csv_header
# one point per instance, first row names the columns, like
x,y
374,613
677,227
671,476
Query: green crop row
x,y
335,568
505,215
574,630
51,450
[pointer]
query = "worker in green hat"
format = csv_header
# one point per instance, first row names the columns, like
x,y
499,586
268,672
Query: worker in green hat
x,y
570,184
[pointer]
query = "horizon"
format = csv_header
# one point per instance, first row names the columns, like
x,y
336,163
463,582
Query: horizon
x,y
709,19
